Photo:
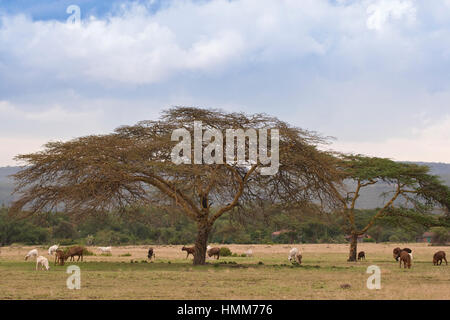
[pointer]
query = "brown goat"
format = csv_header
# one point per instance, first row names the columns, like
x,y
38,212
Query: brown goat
x,y
438,257
214,252
406,259
59,257
189,250
74,251
361,255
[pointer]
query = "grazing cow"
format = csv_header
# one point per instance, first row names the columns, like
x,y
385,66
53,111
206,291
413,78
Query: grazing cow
x,y
151,253
42,262
52,249
189,250
438,257
292,253
361,255
406,259
396,252
31,253
74,251
212,252
59,257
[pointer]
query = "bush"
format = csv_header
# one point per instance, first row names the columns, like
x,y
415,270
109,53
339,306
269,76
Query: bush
x,y
225,252
369,240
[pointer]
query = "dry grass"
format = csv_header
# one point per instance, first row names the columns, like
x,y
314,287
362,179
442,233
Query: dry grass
x,y
323,271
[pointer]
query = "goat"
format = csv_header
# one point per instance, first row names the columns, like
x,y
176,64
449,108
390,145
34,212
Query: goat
x,y
151,253
214,252
438,257
52,249
74,251
105,249
42,262
31,253
406,259
249,253
361,255
189,250
292,254
59,257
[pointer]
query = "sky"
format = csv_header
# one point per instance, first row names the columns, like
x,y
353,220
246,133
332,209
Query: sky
x,y
373,74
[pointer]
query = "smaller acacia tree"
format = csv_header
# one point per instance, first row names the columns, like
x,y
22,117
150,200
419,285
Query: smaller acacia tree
x,y
413,193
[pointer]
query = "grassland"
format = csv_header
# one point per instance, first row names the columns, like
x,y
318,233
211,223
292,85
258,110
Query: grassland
x,y
171,276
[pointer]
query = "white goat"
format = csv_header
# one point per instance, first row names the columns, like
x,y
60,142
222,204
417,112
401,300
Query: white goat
x,y
42,262
53,249
105,249
249,253
31,253
292,253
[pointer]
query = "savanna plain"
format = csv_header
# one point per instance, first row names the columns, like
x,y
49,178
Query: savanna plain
x,y
323,274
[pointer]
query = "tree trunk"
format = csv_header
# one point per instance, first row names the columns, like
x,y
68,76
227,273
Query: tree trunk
x,y
353,247
200,244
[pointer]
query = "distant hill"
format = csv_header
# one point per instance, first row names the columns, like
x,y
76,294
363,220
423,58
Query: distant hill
x,y
6,184
369,198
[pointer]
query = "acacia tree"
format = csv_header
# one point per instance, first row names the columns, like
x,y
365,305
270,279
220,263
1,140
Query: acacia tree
x,y
133,166
413,193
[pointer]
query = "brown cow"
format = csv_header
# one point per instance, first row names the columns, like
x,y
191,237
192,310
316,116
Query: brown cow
x,y
189,250
438,257
59,257
396,252
74,251
151,254
406,259
214,252
361,255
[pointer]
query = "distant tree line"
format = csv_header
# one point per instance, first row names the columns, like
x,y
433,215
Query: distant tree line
x,y
157,226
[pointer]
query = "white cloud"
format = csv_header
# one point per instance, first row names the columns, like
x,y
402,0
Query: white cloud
x,y
139,47
338,67
382,12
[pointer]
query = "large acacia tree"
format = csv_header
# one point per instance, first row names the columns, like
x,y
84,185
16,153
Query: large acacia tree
x,y
410,191
133,166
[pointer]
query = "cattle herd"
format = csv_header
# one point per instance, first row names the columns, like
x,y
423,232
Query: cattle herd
x,y
403,256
